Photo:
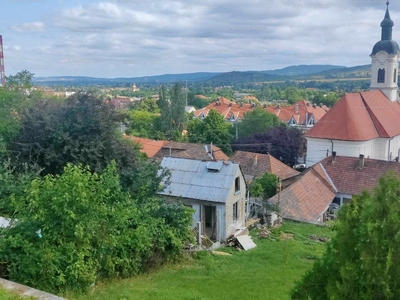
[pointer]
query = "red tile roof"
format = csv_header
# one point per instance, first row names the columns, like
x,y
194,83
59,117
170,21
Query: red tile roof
x,y
148,146
350,179
256,164
307,198
300,111
190,150
359,117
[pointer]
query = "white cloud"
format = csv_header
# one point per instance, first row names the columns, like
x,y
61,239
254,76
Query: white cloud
x,y
28,27
151,37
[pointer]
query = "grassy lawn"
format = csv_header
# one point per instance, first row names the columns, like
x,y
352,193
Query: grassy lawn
x,y
268,271
8,295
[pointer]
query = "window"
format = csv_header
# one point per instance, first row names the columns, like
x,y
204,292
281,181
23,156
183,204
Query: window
x,y
381,75
235,211
395,75
237,184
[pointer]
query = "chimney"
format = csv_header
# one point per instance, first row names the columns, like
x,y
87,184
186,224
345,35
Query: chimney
x,y
308,104
314,105
265,105
255,160
296,107
278,106
333,156
230,104
320,105
241,104
361,161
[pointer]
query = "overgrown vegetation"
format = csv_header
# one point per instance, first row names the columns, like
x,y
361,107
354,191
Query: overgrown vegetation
x,y
362,261
82,199
267,271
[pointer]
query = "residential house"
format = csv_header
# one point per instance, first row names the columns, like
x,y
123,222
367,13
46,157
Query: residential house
x,y
121,102
301,114
307,199
335,179
352,175
159,149
190,109
191,150
215,190
255,165
365,123
148,146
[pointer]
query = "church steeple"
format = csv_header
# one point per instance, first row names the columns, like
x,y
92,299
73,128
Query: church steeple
x,y
387,25
385,57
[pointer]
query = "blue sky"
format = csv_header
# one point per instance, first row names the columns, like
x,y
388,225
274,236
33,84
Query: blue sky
x,y
129,38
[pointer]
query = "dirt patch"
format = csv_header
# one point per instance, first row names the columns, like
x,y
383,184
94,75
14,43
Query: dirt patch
x,y
286,236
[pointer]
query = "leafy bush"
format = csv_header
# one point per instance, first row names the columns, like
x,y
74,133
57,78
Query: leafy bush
x,y
361,261
78,227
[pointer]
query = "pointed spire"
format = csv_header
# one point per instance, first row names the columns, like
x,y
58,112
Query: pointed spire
x,y
387,25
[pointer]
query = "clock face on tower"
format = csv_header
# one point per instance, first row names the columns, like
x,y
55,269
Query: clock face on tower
x,y
381,56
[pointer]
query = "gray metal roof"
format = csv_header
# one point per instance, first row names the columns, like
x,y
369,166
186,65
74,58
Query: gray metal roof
x,y
4,222
194,179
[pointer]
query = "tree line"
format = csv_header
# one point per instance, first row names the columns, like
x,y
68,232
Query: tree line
x,y
81,198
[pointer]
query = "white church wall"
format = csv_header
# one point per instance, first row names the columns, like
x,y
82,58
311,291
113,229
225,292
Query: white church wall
x,y
317,149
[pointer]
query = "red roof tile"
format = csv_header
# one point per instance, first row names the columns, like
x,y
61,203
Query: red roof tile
x,y
191,150
306,199
256,164
350,179
300,111
148,146
359,117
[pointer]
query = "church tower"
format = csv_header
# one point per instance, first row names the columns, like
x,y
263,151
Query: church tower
x,y
385,57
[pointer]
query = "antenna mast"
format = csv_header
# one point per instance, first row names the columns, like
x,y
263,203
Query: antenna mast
x,y
2,76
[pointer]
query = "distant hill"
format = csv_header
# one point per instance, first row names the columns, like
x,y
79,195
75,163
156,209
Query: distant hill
x,y
363,71
83,80
300,72
303,70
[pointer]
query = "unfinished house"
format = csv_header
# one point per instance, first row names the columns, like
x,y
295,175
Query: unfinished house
x,y
216,190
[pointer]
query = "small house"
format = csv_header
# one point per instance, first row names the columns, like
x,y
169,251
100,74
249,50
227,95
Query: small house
x,y
216,190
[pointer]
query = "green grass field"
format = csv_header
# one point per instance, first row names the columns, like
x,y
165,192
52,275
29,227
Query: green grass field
x,y
268,271
7,295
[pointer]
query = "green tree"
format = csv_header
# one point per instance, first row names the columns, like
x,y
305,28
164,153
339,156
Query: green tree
x,y
144,124
257,121
212,129
172,107
265,186
22,80
148,105
15,97
362,260
80,227
82,130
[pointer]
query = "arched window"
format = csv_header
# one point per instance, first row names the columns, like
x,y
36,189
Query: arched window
x,y
395,75
381,75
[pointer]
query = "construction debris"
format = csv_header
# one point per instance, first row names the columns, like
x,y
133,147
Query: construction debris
x,y
221,253
232,241
264,234
318,238
246,242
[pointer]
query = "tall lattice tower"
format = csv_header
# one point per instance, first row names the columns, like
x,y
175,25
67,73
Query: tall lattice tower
x,y
2,75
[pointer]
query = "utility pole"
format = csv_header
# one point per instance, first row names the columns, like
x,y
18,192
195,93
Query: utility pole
x,y
186,94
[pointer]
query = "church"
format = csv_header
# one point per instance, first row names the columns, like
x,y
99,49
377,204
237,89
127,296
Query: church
x,y
366,123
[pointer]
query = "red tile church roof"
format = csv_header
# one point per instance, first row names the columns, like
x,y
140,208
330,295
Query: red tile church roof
x,y
359,117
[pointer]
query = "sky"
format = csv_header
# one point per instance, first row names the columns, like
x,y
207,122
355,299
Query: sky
x,y
132,38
